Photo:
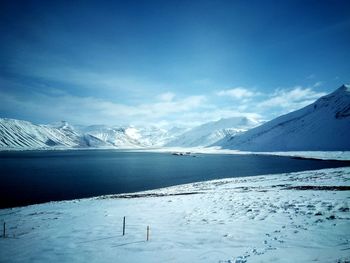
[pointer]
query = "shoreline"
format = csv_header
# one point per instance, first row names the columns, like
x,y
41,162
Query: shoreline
x,y
154,192
252,219
315,155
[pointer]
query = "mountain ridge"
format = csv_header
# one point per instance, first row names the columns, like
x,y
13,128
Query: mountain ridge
x,y
322,125
211,132
309,128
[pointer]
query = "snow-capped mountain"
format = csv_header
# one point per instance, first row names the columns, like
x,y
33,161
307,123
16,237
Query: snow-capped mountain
x,y
23,134
125,137
18,134
132,136
322,125
157,137
211,132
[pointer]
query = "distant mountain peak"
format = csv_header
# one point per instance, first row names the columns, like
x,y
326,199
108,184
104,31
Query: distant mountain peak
x,y
211,132
344,88
338,100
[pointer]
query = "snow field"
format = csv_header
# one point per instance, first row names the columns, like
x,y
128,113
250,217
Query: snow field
x,y
248,219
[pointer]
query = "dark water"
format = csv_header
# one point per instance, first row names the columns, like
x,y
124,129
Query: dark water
x,y
41,176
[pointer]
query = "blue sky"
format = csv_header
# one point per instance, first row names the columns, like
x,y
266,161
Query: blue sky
x,y
168,62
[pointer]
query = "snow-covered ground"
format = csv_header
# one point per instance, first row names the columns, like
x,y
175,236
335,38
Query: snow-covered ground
x,y
296,217
322,155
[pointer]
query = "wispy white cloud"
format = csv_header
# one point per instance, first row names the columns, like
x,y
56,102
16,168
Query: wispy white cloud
x,y
197,118
237,93
165,108
167,96
89,110
106,82
291,98
317,84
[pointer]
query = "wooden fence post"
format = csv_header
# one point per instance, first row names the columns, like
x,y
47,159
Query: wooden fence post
x,y
124,226
147,233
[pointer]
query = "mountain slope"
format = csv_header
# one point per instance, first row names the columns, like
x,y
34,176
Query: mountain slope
x,y
211,132
157,137
18,134
322,125
130,136
125,137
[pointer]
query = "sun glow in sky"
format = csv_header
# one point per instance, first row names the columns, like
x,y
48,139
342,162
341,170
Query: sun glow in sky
x,y
168,62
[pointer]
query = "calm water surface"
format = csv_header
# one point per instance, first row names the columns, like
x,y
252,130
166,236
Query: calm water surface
x,y
41,176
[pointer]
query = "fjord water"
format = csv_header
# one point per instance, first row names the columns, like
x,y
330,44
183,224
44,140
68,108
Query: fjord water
x,y
39,176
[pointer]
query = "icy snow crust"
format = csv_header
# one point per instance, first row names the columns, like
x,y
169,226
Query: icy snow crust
x,y
295,217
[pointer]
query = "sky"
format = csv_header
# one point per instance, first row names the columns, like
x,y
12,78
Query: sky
x,y
168,63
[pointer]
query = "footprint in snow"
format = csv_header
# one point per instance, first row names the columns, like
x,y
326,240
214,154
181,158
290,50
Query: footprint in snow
x,y
238,260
